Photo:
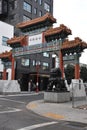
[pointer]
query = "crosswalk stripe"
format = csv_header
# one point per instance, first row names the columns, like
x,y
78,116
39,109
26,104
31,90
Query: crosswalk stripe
x,y
10,111
38,126
5,99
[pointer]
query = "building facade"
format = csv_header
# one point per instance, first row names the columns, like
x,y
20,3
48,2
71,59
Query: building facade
x,y
16,11
6,32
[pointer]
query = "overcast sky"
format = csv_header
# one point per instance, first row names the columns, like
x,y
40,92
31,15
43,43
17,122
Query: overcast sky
x,y
73,14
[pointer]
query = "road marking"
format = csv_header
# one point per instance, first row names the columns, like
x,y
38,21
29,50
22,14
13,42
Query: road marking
x,y
21,94
10,111
11,100
38,126
54,116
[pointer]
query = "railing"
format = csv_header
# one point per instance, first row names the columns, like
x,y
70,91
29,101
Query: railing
x,y
38,48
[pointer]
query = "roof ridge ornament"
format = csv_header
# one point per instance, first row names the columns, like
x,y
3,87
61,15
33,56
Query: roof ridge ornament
x,y
77,39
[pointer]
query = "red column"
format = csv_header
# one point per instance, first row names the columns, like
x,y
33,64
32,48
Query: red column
x,y
13,69
43,38
77,71
61,63
77,67
4,74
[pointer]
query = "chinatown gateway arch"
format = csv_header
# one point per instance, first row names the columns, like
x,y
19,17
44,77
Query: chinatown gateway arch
x,y
31,57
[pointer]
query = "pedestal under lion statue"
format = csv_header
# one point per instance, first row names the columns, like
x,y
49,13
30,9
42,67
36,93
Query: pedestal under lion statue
x,y
56,83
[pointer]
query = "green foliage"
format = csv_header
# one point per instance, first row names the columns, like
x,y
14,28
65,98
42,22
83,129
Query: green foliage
x,y
69,73
83,73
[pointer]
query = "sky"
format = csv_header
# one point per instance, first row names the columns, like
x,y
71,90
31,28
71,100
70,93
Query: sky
x,y
73,14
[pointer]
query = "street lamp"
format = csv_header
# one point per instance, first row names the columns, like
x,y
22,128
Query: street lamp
x,y
37,76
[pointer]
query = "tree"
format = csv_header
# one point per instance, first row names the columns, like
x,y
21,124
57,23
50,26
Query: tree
x,y
69,73
83,73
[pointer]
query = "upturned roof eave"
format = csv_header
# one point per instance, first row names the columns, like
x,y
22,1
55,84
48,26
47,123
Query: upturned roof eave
x,y
15,40
36,21
73,44
6,55
58,30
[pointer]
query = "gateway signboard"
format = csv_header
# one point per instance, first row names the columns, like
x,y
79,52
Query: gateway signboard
x,y
35,39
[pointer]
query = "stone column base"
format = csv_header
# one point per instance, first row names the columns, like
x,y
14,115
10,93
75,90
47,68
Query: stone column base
x,y
55,97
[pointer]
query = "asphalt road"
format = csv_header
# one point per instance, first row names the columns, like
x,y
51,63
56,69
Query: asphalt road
x,y
15,116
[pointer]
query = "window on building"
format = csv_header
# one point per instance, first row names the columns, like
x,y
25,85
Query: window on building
x,y
13,17
40,13
25,18
6,75
15,4
25,62
35,10
4,40
5,6
40,2
34,62
1,75
47,7
27,7
45,66
0,7
38,63
46,54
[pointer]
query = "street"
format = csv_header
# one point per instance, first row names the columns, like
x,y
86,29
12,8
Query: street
x,y
15,116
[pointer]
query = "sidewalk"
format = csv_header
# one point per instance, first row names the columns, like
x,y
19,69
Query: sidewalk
x,y
59,111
